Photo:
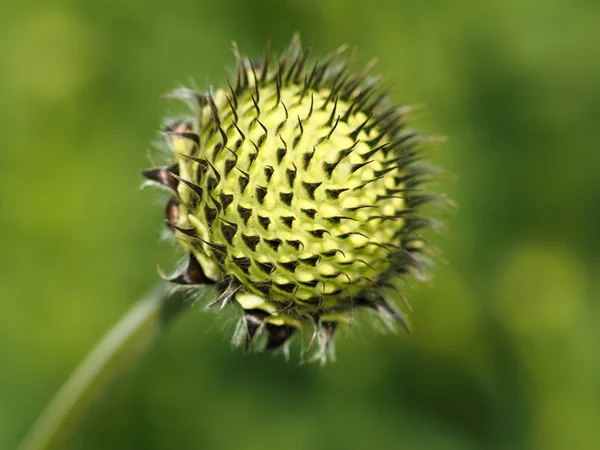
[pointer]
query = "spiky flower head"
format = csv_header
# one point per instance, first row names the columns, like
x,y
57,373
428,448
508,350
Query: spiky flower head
x,y
296,190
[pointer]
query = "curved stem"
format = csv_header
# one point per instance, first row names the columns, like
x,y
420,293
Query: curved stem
x,y
124,344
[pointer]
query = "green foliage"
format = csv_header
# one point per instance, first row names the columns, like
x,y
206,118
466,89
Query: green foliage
x,y
504,352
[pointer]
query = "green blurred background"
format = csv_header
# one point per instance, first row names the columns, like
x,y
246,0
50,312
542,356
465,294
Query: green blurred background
x,y
505,349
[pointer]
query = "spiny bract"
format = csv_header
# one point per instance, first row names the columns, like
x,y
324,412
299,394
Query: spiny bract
x,y
296,190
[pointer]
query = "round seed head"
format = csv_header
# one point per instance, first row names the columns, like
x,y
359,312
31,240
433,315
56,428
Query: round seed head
x,y
296,189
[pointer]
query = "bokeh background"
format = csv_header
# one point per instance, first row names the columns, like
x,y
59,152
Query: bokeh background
x,y
504,353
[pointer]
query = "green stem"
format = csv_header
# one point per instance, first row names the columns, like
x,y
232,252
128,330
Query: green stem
x,y
125,343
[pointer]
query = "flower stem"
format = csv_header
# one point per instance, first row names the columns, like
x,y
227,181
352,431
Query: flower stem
x,y
127,342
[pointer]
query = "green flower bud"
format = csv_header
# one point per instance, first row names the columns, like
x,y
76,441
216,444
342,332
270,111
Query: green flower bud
x,y
296,190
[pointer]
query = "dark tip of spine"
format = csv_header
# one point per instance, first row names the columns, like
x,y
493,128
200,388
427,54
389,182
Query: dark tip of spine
x,y
311,188
354,134
358,166
331,253
266,132
251,241
331,131
296,140
300,126
261,141
261,193
196,190
262,286
356,208
366,183
203,162
251,158
309,212
369,154
264,222
310,109
288,288
335,193
214,112
226,200
243,263
274,243
233,94
269,172
232,108
311,260
191,232
287,220
279,127
220,250
379,173
389,129
243,181
307,157
330,167
287,115
333,111
267,268
229,165
281,152
291,175
295,243
215,172
318,233
210,214
290,266
255,103
338,219
211,184
286,197
245,213
216,203
229,230
347,235
277,92
242,135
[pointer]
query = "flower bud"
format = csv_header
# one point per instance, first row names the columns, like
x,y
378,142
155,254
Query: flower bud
x,y
296,190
